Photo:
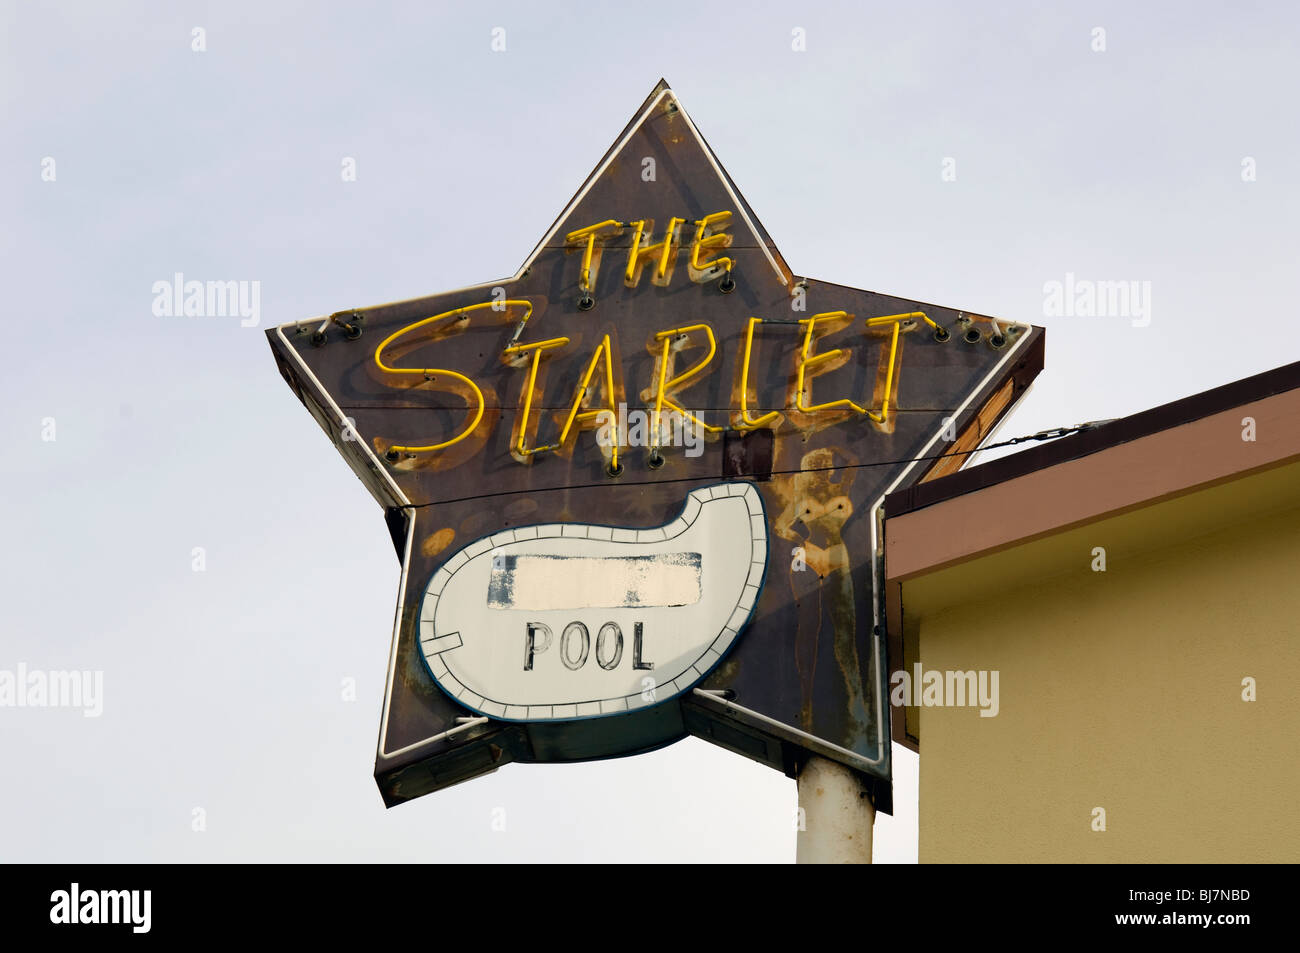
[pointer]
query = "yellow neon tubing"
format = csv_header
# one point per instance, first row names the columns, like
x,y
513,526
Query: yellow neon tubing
x,y
808,359
662,396
577,399
537,349
895,320
589,233
659,394
609,393
889,379
744,383
549,342
668,245
431,372
664,248
701,243
875,322
630,272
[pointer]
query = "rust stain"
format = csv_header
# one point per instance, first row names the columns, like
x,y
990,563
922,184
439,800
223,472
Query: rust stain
x,y
821,507
817,506
435,543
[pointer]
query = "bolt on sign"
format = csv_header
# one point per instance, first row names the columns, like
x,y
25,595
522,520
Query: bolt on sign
x,y
634,487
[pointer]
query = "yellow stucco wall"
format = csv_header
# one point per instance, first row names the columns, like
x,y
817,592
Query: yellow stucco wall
x,y
1121,690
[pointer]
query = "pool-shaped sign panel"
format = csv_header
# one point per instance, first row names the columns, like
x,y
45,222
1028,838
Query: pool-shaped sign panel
x,y
568,620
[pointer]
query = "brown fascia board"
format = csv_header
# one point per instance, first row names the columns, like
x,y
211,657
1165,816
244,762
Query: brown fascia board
x,y
1159,453
1178,412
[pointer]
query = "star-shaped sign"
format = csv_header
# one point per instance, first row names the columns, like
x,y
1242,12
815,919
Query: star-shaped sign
x,y
633,487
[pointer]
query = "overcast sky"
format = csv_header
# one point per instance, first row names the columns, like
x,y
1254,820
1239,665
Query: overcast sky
x,y
1161,151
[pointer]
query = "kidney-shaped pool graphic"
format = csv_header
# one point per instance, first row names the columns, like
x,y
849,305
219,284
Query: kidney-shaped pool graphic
x,y
561,621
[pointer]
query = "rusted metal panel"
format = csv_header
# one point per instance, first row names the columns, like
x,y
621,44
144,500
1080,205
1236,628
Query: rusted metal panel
x,y
808,671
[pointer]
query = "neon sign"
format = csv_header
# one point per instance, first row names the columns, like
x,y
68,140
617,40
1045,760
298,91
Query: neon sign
x,y
580,581
600,373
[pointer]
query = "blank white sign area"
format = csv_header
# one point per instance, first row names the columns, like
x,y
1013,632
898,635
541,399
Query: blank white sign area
x,y
594,582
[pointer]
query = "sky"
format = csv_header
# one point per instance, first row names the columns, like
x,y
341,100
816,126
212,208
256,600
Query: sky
x,y
178,523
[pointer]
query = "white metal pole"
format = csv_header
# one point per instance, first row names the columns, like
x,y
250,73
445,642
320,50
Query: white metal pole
x,y
836,815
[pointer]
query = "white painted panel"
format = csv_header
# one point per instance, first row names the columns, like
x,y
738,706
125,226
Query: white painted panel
x,y
563,623
594,582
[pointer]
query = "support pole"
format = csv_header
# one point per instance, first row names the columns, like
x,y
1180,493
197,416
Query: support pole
x,y
837,815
